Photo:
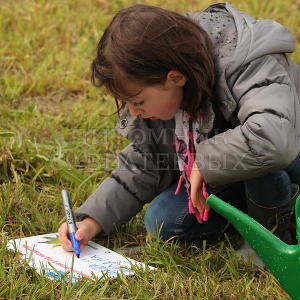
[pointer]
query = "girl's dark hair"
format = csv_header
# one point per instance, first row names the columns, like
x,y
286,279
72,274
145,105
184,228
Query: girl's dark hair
x,y
143,43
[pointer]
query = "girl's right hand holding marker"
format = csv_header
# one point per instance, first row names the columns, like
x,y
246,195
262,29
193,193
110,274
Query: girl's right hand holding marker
x,y
87,229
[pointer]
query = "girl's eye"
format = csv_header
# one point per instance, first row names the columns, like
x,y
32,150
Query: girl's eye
x,y
138,103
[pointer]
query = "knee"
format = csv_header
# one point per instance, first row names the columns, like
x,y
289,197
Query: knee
x,y
270,190
158,223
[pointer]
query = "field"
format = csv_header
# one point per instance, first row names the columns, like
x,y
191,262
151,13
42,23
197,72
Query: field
x,y
54,134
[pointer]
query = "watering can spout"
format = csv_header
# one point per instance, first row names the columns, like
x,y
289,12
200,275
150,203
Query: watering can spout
x,y
281,259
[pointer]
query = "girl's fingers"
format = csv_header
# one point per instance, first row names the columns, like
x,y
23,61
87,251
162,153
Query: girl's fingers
x,y
82,236
63,237
86,230
207,207
199,202
201,206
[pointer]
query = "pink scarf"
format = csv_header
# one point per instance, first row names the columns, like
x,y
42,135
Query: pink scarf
x,y
185,148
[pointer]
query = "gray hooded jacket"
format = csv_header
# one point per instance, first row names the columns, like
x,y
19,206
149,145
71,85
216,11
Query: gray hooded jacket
x,y
258,101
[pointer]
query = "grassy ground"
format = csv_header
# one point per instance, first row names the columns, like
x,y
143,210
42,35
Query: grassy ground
x,y
52,135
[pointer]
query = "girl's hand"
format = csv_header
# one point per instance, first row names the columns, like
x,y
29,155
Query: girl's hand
x,y
197,197
87,229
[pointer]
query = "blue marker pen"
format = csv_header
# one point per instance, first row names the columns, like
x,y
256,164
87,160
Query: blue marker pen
x,y
71,222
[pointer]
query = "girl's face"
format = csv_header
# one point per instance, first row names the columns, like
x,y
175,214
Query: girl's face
x,y
158,101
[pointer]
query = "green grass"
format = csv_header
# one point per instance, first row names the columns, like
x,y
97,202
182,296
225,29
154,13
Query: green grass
x,y
53,135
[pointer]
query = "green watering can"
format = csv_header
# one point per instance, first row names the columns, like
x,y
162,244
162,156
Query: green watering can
x,y
281,259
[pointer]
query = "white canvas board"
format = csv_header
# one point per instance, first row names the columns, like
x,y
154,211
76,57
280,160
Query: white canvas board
x,y
53,261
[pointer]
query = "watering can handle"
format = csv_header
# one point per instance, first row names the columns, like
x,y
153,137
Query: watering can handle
x,y
298,217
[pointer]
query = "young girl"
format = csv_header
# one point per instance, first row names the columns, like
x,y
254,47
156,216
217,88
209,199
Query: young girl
x,y
211,104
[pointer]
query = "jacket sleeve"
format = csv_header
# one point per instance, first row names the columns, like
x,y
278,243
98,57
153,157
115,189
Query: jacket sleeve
x,y
145,168
267,139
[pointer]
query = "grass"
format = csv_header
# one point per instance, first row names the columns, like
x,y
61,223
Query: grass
x,y
53,135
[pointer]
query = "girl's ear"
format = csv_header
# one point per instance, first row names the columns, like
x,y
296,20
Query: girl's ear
x,y
176,78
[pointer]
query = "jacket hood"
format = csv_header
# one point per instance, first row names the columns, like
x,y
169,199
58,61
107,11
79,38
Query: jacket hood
x,y
237,40
252,38
256,38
